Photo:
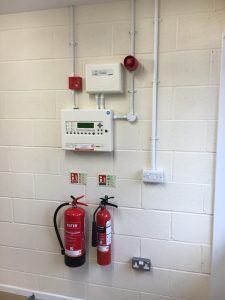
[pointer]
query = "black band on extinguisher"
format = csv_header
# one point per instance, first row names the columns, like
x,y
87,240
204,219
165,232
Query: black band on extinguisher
x,y
101,229
56,228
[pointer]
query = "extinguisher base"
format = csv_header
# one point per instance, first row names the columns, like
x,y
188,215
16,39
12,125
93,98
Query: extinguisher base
x,y
74,261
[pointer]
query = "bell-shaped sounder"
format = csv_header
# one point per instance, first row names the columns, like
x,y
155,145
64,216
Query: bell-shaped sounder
x,y
130,63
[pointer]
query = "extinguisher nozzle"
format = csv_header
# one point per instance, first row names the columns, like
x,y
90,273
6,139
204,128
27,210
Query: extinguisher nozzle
x,y
94,235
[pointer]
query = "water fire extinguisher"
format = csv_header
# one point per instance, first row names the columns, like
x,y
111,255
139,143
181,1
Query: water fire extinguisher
x,y
74,232
101,231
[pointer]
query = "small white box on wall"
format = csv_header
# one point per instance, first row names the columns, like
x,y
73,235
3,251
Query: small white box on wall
x,y
104,78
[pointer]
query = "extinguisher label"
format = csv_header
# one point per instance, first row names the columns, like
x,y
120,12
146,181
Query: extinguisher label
x,y
108,227
73,253
104,235
103,248
72,226
108,239
108,233
74,239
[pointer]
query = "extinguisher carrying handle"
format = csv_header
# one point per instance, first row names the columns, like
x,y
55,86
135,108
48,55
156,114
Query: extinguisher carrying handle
x,y
106,198
105,201
56,228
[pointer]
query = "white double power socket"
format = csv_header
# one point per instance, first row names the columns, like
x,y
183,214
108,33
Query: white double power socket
x,y
153,176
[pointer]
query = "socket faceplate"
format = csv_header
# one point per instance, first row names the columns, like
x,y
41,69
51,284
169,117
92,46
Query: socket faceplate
x,y
143,264
153,176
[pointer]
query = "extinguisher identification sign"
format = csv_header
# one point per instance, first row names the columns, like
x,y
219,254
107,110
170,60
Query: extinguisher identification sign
x,y
106,180
78,178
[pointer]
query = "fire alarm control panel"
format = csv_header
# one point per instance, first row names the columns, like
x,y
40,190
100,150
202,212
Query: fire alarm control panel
x,y
104,78
87,130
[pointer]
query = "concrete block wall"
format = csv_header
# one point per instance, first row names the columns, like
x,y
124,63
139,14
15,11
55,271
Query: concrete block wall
x,y
172,223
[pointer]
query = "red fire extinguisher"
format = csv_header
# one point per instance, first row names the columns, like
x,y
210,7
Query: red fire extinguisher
x,y
74,232
101,231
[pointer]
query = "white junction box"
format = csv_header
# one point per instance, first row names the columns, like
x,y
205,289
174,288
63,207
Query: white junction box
x,y
104,78
87,130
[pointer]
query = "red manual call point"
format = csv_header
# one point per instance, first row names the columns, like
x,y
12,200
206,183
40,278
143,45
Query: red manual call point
x,y
130,63
75,83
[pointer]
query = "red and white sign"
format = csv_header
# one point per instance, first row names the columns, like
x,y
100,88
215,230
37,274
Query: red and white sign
x,y
102,179
74,178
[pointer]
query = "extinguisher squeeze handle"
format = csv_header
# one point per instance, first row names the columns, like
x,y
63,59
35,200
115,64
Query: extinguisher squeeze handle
x,y
106,198
105,201
75,200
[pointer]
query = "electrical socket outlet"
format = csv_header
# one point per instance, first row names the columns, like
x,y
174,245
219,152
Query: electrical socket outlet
x,y
153,176
139,263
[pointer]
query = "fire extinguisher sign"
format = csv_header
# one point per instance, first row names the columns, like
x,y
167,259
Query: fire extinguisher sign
x,y
102,179
106,180
78,178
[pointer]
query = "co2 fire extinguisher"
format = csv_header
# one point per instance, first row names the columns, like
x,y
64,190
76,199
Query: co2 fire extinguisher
x,y
74,232
101,231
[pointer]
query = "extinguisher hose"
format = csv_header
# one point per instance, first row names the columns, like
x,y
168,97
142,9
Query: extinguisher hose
x,y
94,241
56,228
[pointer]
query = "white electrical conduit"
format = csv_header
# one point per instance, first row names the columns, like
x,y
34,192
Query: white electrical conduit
x,y
131,116
120,117
73,45
102,101
155,86
97,101
132,47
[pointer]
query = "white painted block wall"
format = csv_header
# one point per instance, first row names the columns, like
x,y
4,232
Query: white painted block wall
x,y
172,223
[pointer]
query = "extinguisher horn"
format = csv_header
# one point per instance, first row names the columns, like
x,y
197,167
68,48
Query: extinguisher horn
x,y
94,240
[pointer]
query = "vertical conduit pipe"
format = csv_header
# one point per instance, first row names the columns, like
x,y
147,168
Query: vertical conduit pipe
x,y
155,86
102,101
97,101
131,116
132,48
72,47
